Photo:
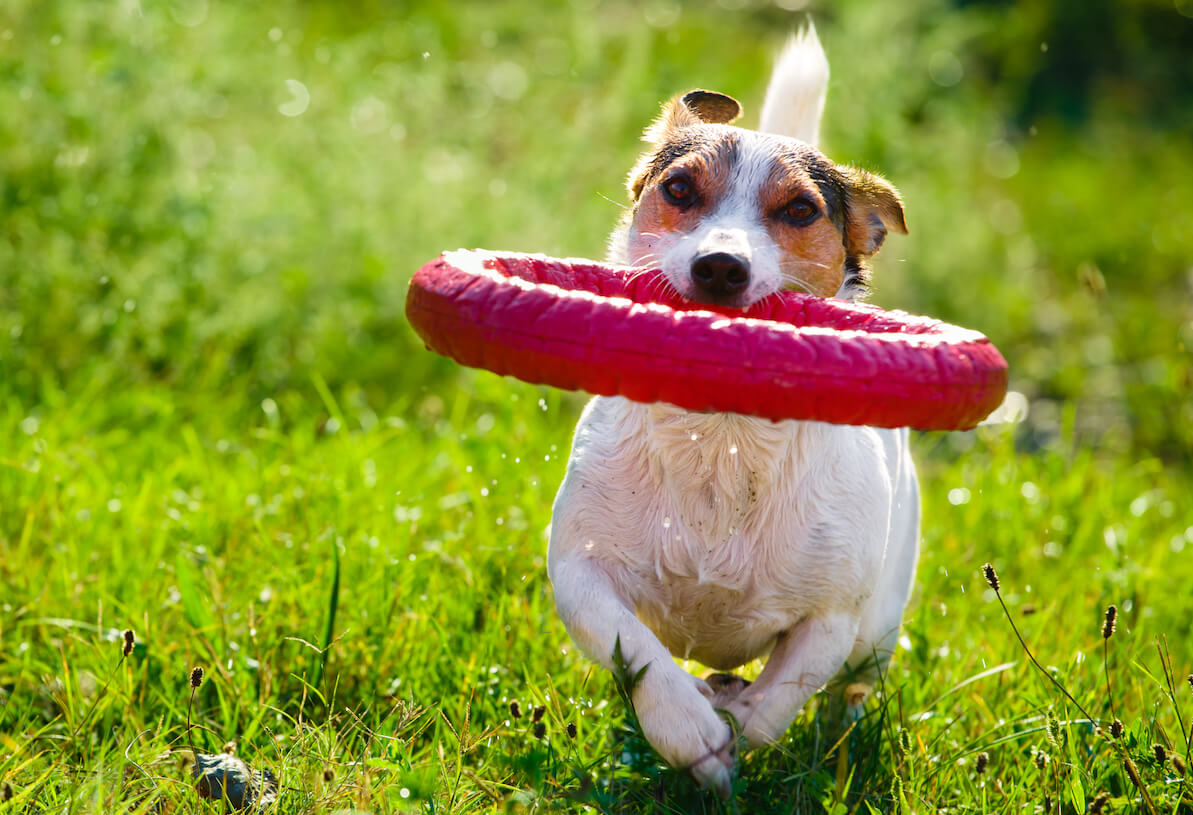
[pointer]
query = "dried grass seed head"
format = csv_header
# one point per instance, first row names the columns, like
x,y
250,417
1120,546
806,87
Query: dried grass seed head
x,y
1178,764
571,730
196,676
1098,804
130,639
980,764
1108,622
537,715
515,709
1116,729
540,729
1161,753
991,576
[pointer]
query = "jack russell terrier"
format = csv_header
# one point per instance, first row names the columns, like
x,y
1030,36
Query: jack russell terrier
x,y
721,537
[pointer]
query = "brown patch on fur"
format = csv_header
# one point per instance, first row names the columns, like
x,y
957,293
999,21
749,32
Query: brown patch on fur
x,y
707,168
815,253
704,154
874,208
675,132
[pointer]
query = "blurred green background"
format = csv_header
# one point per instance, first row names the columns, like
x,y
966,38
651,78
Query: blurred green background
x,y
209,212
199,196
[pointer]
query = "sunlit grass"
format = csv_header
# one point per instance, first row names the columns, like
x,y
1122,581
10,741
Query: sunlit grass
x,y
217,430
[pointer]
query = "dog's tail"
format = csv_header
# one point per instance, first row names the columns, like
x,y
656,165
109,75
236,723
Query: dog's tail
x,y
795,96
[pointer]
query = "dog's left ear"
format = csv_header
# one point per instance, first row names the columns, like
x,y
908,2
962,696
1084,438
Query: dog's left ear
x,y
693,108
874,208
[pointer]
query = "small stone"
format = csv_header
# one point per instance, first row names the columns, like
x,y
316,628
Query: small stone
x,y
225,776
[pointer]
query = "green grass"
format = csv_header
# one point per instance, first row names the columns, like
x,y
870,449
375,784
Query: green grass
x,y
217,430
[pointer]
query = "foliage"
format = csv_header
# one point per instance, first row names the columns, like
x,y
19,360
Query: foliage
x,y
208,213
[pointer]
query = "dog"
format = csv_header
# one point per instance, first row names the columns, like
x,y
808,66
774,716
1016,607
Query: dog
x,y
721,537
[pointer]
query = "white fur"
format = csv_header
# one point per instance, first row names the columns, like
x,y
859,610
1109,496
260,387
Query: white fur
x,y
723,538
795,96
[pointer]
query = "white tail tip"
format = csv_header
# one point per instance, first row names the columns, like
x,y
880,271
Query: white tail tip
x,y
798,86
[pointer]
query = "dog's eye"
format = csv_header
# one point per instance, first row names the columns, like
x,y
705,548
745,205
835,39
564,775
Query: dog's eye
x,y
678,191
799,211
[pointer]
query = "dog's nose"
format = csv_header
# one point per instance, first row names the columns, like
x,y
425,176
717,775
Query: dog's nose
x,y
720,275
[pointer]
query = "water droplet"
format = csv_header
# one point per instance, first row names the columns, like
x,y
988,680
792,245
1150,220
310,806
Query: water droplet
x,y
300,99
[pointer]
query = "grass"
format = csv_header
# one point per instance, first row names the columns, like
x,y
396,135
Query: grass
x,y
216,429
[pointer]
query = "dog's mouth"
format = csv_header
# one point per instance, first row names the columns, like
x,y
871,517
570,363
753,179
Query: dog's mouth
x,y
736,301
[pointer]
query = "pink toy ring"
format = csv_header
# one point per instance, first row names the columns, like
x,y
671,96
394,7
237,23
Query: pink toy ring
x,y
608,330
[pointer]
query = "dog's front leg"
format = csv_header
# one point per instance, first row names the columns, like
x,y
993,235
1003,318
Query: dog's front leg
x,y
803,660
671,704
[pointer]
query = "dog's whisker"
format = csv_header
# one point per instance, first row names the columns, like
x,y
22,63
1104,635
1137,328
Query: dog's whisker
x,y
640,272
617,204
797,281
802,262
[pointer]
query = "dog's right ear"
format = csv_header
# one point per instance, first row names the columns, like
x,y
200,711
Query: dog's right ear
x,y
693,108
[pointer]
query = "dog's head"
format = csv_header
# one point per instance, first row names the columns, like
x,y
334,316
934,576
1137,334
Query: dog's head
x,y
733,215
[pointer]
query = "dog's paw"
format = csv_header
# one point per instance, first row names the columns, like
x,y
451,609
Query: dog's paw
x,y
724,688
682,726
752,722
715,771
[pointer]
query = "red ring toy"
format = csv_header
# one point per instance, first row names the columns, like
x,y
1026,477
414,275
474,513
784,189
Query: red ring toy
x,y
608,330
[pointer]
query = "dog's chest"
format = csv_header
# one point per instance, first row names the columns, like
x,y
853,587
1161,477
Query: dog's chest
x,y
721,599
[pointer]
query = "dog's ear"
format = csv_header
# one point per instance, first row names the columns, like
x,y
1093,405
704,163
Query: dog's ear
x,y
693,108
874,208
712,107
